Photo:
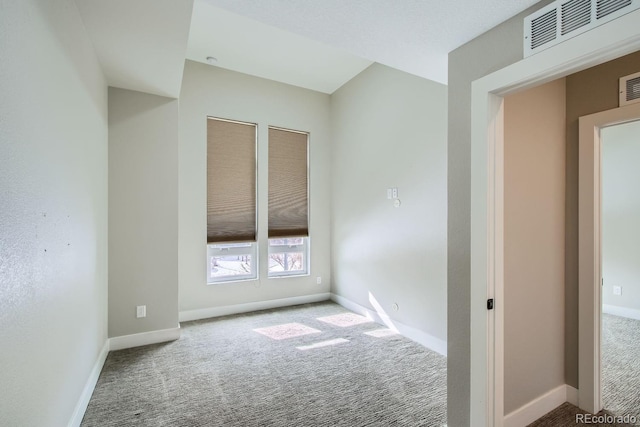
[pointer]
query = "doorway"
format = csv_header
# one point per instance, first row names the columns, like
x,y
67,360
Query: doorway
x,y
534,245
593,128
487,231
620,210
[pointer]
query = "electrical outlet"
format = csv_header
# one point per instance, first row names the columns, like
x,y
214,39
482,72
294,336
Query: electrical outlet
x,y
394,192
319,280
141,311
389,194
617,290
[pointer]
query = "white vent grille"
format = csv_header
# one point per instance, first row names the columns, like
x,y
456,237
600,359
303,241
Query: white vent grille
x,y
630,89
575,14
543,29
607,7
564,19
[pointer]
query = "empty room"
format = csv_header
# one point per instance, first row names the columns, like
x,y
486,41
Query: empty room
x,y
243,213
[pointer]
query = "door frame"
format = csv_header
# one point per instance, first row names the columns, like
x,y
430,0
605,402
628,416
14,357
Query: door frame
x,y
590,250
604,43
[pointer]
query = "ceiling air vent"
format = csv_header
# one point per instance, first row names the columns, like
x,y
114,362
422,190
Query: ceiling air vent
x,y
564,19
630,89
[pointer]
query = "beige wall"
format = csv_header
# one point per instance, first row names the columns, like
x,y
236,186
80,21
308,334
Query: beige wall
x,y
53,211
389,130
143,211
493,50
211,91
589,91
534,203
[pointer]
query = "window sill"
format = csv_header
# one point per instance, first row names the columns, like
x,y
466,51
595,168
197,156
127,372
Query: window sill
x,y
224,282
286,276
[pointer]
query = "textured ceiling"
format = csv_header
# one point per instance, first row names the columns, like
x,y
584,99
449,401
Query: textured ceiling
x,y
411,35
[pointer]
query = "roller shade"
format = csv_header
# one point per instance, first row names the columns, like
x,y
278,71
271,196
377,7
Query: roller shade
x,y
231,181
288,183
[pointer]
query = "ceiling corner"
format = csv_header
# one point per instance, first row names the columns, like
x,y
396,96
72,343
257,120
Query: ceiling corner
x,y
141,44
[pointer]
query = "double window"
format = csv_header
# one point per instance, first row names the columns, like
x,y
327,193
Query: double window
x,y
232,247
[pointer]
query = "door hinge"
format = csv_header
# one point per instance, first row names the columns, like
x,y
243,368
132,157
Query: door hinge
x,y
490,304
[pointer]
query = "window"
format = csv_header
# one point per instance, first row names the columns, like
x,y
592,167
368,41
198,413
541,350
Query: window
x,y
288,202
288,257
231,200
231,261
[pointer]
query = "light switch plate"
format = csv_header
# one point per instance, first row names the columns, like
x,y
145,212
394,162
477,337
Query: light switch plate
x,y
141,311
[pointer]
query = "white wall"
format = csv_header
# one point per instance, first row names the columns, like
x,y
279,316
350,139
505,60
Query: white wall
x,y
621,215
389,130
143,212
53,211
211,91
534,230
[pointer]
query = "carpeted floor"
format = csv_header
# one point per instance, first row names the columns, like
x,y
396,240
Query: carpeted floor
x,y
620,376
310,365
621,365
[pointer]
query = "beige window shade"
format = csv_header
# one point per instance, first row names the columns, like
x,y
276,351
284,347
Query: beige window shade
x,y
288,184
231,181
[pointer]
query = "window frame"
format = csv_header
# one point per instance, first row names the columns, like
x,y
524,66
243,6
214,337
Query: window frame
x,y
237,247
306,245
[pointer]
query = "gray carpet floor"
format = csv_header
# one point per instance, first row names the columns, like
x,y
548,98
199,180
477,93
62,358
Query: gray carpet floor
x,y
621,365
309,365
620,375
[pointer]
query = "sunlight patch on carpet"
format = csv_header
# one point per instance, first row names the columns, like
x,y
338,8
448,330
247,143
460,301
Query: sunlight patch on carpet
x,y
379,333
287,330
345,319
322,344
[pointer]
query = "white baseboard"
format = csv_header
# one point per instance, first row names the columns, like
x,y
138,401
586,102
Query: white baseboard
x,y
144,338
541,406
205,313
90,385
572,395
621,311
414,334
